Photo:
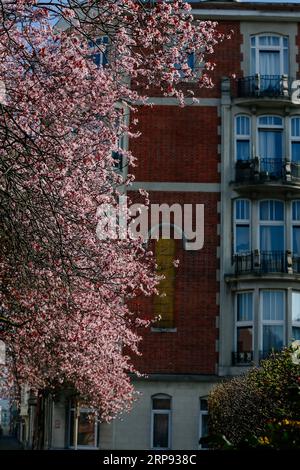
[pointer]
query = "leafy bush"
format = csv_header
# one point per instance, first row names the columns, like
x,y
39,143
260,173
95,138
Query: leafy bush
x,y
260,408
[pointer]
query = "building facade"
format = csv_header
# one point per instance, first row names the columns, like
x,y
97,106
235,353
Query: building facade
x,y
237,151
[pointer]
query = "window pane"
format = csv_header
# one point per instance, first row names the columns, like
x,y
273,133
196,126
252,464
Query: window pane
x,y
296,240
242,209
242,239
270,144
244,339
161,430
161,403
295,151
203,404
273,305
272,337
270,121
295,124
286,61
245,306
271,210
296,307
204,429
269,64
242,149
72,427
86,429
243,125
271,238
296,333
296,210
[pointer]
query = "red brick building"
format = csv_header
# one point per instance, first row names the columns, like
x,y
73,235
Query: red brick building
x,y
237,151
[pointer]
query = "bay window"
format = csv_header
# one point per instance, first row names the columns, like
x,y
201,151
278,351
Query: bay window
x,y
258,332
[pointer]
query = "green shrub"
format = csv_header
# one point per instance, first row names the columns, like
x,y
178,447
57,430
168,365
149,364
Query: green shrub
x,y
261,407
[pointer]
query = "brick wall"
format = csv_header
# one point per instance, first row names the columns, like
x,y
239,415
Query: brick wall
x,y
177,144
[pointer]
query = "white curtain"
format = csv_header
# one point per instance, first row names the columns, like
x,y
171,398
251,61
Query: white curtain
x,y
270,144
271,238
269,63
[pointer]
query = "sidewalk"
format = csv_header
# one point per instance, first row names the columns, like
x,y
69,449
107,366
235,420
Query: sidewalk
x,y
9,443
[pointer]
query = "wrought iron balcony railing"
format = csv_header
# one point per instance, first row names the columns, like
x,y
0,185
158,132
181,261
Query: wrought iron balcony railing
x,y
246,358
265,262
261,170
240,358
258,85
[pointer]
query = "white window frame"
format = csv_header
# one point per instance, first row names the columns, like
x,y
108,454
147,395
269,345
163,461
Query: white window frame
x,y
201,414
165,412
257,47
247,323
245,137
272,322
239,222
96,428
273,223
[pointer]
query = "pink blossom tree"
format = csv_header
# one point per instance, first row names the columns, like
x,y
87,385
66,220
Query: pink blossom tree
x,y
65,318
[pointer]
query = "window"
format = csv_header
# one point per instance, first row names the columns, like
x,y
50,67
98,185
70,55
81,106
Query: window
x,y
188,59
100,51
242,132
295,315
244,326
164,302
296,227
161,422
273,319
269,55
295,139
87,433
270,145
271,215
242,226
203,421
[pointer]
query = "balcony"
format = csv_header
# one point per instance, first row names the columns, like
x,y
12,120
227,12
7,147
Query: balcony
x,y
264,262
264,86
267,171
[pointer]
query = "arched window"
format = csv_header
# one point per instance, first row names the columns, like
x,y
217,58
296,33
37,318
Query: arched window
x,y
242,133
163,303
270,145
161,421
269,55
